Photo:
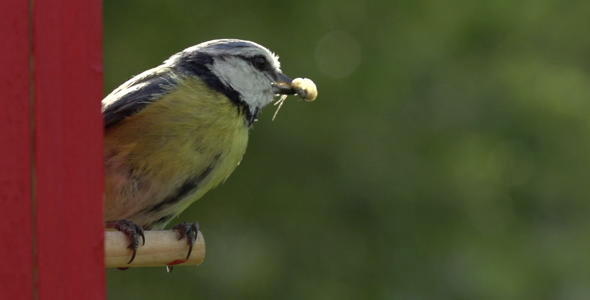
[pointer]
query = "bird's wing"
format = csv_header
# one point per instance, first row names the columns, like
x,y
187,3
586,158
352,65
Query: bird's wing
x,y
135,94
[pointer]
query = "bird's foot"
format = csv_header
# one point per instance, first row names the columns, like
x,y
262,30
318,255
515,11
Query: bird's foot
x,y
133,232
190,231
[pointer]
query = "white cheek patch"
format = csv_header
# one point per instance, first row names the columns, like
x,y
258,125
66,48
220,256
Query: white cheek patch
x,y
254,87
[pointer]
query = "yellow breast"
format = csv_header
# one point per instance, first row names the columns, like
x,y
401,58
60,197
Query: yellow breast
x,y
168,155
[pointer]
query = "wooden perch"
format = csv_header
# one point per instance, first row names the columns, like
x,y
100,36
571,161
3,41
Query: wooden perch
x,y
161,248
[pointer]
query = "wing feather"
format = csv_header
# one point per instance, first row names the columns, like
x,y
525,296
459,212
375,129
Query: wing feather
x,y
135,94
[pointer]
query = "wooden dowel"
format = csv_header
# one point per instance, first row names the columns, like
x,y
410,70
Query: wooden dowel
x,y
161,248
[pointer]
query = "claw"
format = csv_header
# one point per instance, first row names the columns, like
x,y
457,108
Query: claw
x,y
190,231
133,233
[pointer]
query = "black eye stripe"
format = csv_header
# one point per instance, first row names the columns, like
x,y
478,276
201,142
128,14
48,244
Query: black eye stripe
x,y
259,62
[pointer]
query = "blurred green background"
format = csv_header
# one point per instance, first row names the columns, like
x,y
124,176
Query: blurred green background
x,y
447,156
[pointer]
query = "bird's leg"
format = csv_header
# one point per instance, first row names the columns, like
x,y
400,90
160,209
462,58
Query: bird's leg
x,y
133,233
189,231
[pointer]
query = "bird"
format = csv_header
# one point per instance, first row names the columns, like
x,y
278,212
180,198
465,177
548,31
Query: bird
x,y
174,132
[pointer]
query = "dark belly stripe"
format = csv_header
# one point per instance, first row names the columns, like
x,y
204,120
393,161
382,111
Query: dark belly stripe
x,y
161,220
190,186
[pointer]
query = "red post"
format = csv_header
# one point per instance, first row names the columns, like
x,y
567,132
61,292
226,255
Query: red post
x,y
16,249
51,171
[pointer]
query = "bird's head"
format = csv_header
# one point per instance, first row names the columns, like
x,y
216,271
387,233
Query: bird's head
x,y
248,73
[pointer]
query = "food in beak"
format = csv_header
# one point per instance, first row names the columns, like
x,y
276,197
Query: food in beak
x,y
305,88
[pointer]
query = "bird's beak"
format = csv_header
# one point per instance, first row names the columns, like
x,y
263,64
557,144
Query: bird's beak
x,y
282,85
304,88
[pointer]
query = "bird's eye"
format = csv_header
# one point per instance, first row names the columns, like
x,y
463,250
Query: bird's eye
x,y
260,63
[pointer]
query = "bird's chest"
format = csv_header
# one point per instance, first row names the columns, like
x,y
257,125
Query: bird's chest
x,y
162,159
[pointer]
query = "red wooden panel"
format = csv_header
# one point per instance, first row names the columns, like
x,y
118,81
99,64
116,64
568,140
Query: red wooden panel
x,y
68,88
16,271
